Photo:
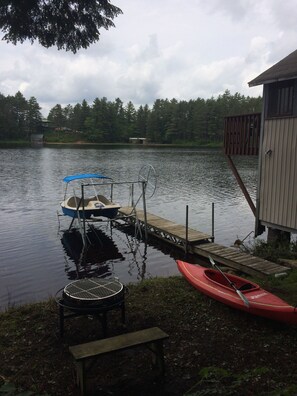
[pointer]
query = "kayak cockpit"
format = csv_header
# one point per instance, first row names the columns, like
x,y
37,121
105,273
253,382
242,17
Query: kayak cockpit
x,y
219,279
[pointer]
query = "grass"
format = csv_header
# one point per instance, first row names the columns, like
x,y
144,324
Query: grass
x,y
279,252
212,349
275,251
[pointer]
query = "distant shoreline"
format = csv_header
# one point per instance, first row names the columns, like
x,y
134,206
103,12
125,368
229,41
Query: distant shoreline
x,y
83,143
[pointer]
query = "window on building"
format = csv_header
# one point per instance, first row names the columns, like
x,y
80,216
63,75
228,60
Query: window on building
x,y
281,99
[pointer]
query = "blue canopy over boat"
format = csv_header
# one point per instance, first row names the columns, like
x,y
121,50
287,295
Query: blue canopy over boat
x,y
67,179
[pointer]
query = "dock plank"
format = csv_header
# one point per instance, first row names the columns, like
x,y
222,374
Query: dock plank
x,y
202,244
157,224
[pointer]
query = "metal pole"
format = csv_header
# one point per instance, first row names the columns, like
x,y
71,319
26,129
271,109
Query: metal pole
x,y
187,228
132,195
212,221
144,209
83,211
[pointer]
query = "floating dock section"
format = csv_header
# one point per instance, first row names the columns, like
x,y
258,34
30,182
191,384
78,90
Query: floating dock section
x,y
201,244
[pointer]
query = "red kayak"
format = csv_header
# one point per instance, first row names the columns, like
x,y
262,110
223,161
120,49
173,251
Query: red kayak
x,y
238,293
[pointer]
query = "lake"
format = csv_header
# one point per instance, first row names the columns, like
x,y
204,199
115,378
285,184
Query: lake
x,y
37,258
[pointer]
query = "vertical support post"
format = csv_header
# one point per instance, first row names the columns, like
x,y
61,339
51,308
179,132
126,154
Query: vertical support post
x,y
83,213
111,192
158,357
132,195
123,309
77,209
212,221
72,221
187,228
81,376
104,323
144,209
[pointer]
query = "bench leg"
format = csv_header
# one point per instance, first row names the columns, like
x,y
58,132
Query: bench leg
x,y
81,377
123,313
158,357
102,317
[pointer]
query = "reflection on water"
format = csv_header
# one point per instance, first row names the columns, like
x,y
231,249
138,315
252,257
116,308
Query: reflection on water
x,y
92,258
32,257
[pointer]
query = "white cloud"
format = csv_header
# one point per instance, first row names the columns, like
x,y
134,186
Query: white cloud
x,y
159,49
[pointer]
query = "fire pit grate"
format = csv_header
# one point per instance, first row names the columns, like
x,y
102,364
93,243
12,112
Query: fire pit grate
x,y
91,296
93,290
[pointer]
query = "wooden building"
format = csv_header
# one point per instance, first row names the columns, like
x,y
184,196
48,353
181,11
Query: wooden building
x,y
274,139
138,140
37,139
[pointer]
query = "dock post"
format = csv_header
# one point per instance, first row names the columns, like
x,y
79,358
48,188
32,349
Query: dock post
x,y
144,209
212,221
132,195
83,213
187,228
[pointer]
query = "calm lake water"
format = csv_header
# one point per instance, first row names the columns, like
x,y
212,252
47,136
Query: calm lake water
x,y
37,259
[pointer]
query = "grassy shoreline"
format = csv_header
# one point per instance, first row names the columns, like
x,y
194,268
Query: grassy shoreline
x,y
212,349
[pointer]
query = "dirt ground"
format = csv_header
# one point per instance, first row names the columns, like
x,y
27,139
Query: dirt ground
x,y
211,350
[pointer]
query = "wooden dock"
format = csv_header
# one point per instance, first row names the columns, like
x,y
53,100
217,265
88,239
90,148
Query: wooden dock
x,y
165,229
234,258
201,244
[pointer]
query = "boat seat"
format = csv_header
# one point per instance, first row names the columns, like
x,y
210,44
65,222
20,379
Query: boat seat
x,y
103,199
246,286
73,201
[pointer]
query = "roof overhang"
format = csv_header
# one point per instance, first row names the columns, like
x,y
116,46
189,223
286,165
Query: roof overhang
x,y
286,69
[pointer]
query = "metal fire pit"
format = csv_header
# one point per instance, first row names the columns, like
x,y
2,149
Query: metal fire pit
x,y
91,296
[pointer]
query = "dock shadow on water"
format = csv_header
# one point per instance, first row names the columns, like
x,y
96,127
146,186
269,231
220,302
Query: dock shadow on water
x,y
103,253
112,251
90,259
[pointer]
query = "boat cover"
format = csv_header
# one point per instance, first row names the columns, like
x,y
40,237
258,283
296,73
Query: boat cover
x,y
67,179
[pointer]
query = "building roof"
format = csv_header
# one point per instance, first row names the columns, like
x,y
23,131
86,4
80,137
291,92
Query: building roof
x,y
285,69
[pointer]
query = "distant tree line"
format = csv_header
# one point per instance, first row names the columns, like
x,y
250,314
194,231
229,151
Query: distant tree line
x,y
167,121
19,118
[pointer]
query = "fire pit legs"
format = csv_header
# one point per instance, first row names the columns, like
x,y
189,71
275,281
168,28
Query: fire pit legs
x,y
101,313
91,297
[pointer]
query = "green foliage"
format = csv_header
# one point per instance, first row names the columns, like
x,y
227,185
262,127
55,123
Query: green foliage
x,y
289,390
60,137
218,381
272,251
195,123
279,252
19,117
69,25
9,389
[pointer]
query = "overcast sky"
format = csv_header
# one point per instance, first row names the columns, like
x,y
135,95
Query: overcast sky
x,y
159,49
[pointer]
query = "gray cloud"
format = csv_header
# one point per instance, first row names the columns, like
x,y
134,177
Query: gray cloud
x,y
159,49
236,10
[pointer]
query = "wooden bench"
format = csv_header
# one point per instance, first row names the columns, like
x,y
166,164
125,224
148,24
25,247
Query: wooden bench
x,y
86,353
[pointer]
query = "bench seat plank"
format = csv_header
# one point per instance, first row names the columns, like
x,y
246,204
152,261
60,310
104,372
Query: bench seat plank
x,y
151,338
123,341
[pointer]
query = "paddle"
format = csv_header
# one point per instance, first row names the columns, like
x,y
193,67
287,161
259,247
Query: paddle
x,y
244,299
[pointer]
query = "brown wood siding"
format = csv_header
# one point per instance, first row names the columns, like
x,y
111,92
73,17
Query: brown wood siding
x,y
278,182
241,134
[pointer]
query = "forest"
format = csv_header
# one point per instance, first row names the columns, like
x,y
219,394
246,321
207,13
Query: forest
x,y
197,121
